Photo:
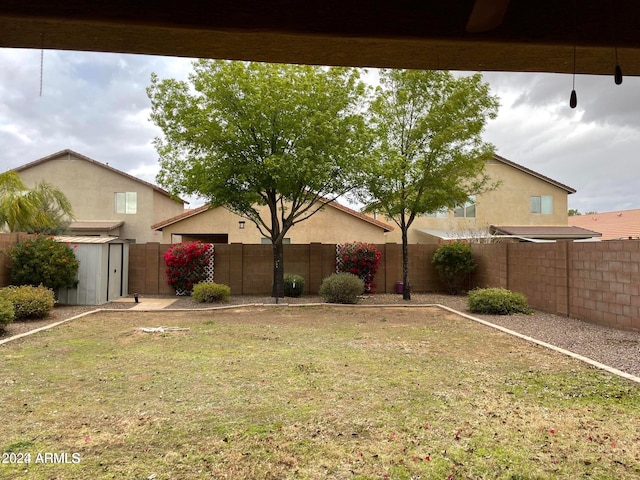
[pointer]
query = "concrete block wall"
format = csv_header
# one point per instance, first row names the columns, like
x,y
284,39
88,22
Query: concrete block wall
x,y
604,286
540,272
492,266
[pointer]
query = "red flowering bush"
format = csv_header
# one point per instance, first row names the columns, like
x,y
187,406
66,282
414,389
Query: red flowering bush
x,y
360,259
186,265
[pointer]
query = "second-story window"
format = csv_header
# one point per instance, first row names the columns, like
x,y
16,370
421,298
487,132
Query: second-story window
x,y
542,204
468,210
126,202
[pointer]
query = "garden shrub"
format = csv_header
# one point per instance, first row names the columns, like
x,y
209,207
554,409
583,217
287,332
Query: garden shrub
x,y
6,312
186,265
360,259
341,288
497,301
41,260
29,302
293,285
205,292
453,264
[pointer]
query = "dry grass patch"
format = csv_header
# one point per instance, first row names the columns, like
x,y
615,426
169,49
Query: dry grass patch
x,y
309,392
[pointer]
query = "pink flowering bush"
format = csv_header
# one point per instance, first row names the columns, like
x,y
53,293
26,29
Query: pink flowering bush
x,y
360,259
186,265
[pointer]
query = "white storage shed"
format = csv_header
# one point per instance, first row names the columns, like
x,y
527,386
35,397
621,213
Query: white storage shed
x,y
104,270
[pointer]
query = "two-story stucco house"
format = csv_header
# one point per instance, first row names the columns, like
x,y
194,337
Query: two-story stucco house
x,y
525,204
105,201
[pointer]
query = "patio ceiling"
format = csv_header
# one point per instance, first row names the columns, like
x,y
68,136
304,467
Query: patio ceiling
x,y
535,35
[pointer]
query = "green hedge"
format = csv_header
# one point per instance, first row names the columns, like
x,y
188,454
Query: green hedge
x,y
497,301
205,292
29,302
6,312
341,288
453,264
41,260
293,285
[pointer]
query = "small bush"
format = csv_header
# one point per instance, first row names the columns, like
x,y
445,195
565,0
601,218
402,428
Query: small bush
x,y
210,292
293,285
453,264
41,260
341,288
497,301
29,302
6,312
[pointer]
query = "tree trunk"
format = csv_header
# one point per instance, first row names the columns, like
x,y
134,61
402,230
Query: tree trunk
x,y
278,270
406,286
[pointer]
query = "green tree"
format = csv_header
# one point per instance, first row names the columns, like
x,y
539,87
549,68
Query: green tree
x,y
43,209
246,135
573,212
429,152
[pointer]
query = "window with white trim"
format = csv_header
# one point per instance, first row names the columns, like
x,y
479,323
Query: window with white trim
x,y
442,213
126,202
542,204
468,210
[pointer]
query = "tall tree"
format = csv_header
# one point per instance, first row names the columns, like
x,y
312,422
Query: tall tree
x,y
42,209
245,135
429,153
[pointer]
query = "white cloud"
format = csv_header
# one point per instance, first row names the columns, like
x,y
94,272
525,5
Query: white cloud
x,y
96,104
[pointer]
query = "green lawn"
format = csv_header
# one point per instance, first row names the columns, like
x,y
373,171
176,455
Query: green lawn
x,y
307,392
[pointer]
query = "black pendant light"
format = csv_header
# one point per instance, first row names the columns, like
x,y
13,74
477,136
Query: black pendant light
x,y
573,99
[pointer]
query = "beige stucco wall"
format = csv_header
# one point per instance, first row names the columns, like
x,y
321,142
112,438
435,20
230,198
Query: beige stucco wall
x,y
91,190
509,204
330,225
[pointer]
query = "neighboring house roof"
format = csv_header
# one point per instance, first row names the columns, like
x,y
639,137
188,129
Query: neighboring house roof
x,y
542,231
99,225
67,151
618,225
187,213
535,174
190,213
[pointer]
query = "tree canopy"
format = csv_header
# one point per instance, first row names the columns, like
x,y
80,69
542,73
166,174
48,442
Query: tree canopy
x,y
245,135
42,209
428,153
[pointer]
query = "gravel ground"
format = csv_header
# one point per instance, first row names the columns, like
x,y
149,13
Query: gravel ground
x,y
616,348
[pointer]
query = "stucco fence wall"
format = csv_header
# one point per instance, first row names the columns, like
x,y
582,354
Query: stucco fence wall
x,y
595,281
248,269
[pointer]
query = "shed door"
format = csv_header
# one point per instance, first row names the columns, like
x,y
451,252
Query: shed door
x,y
114,281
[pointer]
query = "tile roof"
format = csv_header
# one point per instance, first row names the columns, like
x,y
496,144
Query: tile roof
x,y
621,224
67,151
191,212
544,231
535,174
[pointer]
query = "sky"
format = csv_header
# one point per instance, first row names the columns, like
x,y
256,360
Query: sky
x,y
96,104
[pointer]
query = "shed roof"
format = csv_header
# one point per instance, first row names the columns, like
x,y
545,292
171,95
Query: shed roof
x,y
95,240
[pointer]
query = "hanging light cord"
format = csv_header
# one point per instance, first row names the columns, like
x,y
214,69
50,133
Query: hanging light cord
x,y
41,60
